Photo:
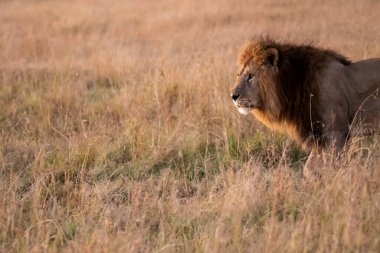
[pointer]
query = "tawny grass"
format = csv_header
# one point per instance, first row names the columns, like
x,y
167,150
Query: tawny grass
x,y
117,133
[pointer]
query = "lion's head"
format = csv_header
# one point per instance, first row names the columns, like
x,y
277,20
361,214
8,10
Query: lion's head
x,y
257,88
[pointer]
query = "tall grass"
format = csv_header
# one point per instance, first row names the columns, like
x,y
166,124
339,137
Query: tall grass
x,y
117,133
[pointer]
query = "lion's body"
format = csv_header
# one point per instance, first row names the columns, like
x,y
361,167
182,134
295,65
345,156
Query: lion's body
x,y
350,96
315,95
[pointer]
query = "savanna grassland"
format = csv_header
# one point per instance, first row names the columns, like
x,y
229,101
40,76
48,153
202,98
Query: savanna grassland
x,y
117,132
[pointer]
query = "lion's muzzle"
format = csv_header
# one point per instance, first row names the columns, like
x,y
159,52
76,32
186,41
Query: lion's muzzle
x,y
241,104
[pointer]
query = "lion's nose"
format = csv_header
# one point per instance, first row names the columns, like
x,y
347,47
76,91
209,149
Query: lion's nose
x,y
234,96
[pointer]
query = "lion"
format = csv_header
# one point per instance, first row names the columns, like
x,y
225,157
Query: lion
x,y
315,95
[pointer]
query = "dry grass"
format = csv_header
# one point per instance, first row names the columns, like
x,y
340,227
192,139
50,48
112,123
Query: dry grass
x,y
118,134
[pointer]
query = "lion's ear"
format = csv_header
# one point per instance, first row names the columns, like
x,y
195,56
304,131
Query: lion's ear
x,y
272,56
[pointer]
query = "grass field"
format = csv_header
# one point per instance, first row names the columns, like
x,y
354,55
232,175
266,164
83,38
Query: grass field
x,y
117,132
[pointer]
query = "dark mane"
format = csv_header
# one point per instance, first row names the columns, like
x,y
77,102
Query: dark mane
x,y
255,50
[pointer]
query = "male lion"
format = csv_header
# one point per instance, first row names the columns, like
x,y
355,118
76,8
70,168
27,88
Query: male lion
x,y
315,95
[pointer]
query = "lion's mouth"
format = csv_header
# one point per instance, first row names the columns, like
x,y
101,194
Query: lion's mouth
x,y
242,108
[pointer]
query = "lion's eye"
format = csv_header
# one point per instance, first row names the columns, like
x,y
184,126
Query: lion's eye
x,y
250,77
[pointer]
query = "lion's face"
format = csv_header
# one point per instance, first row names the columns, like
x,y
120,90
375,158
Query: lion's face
x,y
246,94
